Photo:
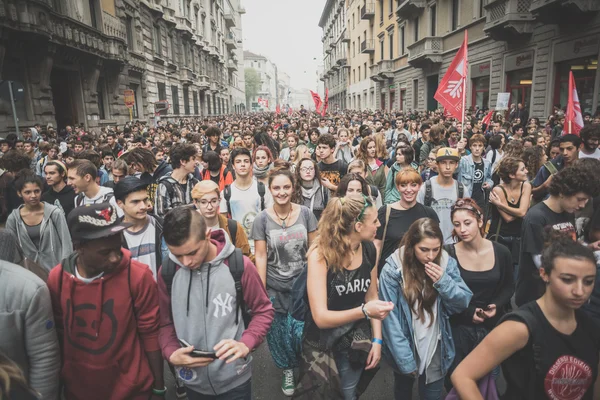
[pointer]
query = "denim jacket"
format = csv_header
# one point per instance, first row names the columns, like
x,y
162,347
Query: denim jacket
x,y
398,336
466,173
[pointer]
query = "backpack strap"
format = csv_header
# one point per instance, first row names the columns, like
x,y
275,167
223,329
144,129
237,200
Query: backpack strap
x,y
428,193
460,189
232,227
236,268
388,211
167,272
227,196
261,192
79,200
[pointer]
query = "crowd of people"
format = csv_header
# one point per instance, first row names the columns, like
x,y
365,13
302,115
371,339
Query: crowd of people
x,y
451,253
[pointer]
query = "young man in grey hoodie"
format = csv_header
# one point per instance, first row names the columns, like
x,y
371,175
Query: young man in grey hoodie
x,y
201,309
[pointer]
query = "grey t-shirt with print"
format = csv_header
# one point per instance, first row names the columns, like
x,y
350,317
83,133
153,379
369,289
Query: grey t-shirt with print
x,y
442,200
286,252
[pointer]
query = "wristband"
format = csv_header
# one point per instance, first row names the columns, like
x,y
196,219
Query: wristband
x,y
159,392
365,312
378,341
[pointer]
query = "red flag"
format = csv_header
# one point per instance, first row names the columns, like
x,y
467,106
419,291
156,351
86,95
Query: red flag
x,y
317,100
451,91
326,103
277,109
488,118
290,111
573,119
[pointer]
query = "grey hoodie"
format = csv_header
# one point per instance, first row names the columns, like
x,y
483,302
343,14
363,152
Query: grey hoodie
x,y
55,239
203,308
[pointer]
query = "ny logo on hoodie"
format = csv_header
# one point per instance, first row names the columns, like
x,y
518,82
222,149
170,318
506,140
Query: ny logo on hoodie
x,y
224,305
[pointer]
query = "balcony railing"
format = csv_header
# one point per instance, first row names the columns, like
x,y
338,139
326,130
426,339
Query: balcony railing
x,y
367,11
408,9
367,46
231,41
113,26
508,19
232,65
564,11
229,19
425,51
345,36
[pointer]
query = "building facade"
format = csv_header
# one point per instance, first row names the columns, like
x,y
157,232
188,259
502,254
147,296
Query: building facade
x,y
524,47
268,81
361,89
70,61
335,52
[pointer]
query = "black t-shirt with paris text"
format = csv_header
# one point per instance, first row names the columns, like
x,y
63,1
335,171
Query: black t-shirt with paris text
x,y
552,365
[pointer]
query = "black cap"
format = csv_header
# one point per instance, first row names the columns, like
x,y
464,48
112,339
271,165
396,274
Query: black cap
x,y
95,221
127,185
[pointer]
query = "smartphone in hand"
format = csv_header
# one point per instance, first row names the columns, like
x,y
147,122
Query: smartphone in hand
x,y
198,353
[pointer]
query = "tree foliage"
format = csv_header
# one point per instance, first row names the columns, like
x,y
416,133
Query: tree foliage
x,y
253,84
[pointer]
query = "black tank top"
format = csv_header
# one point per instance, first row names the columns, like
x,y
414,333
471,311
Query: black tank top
x,y
512,228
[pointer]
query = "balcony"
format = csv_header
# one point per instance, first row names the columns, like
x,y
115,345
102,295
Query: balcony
x,y
328,50
187,76
335,67
113,26
367,46
322,77
506,20
332,45
232,66
213,51
408,9
342,61
214,87
203,82
231,41
229,19
367,11
564,11
425,52
345,37
383,70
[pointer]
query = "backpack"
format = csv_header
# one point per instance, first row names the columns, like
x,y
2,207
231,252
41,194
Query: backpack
x,y
232,227
105,199
236,268
460,188
299,307
261,192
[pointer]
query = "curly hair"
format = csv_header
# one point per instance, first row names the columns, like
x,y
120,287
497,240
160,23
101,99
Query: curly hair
x,y
533,158
298,191
15,161
576,179
508,166
335,227
141,156
559,244
514,148
418,287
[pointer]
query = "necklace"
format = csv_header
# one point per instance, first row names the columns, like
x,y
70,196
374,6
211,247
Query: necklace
x,y
283,225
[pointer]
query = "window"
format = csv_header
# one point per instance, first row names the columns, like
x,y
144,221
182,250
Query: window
x,y
354,75
416,25
359,72
381,45
157,40
129,31
415,94
381,11
175,99
186,101
391,45
365,69
101,97
391,2
354,49
93,14
481,9
432,19
402,45
162,91
454,14
173,49
353,21
134,110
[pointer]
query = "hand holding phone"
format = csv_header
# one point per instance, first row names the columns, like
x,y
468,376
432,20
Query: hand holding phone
x,y
198,353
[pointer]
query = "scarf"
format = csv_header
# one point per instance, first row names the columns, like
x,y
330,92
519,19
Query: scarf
x,y
314,195
261,173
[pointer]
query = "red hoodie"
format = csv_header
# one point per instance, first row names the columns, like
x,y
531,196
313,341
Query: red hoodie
x,y
104,346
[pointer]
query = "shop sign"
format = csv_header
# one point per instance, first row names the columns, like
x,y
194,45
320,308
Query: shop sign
x,y
519,61
481,69
582,47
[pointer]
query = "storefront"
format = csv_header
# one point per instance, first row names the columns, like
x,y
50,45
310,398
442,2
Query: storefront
x,y
581,57
519,77
480,84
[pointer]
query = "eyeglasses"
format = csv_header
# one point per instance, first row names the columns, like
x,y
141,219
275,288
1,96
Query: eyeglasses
x,y
461,204
307,169
204,204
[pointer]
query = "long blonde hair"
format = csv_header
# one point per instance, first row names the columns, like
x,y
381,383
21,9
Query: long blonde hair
x,y
335,228
380,145
10,374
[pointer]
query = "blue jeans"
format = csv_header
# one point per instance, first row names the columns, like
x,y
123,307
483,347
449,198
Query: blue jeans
x,y
403,387
349,376
242,392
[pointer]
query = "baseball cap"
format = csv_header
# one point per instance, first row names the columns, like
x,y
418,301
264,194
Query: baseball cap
x,y
95,221
447,153
127,185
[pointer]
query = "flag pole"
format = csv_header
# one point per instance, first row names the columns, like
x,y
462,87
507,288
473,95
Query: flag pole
x,y
466,70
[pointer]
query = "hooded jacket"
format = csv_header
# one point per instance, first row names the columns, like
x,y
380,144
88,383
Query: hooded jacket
x,y
65,199
201,310
103,339
55,239
27,330
398,334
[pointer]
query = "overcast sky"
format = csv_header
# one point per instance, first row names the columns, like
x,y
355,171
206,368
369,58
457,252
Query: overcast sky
x,y
287,33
